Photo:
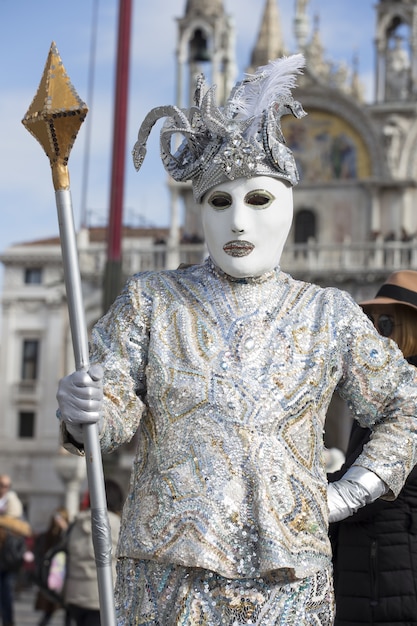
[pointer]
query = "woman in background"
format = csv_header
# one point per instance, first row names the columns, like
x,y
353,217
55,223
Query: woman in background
x,y
375,550
46,540
81,587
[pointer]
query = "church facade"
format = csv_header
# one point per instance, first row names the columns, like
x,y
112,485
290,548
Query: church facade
x,y
357,160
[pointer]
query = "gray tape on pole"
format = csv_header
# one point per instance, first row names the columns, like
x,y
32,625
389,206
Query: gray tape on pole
x,y
102,540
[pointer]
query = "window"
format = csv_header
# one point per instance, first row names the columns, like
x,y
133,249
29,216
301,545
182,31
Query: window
x,y
30,357
33,276
26,425
305,226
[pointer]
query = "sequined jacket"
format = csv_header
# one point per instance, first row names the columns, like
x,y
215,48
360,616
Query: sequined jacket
x,y
228,382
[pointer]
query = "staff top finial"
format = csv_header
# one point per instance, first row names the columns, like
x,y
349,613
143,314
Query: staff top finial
x,y
55,116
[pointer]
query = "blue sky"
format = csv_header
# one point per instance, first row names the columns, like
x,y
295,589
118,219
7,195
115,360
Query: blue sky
x,y
27,28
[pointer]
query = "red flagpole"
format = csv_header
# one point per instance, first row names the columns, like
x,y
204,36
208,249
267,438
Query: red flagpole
x,y
113,272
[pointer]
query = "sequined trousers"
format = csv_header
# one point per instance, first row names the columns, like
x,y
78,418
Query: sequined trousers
x,y
154,594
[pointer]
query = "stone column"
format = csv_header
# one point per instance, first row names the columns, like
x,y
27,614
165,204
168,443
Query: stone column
x,y
72,471
173,250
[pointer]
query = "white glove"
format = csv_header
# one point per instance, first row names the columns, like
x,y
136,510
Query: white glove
x,y
355,489
80,400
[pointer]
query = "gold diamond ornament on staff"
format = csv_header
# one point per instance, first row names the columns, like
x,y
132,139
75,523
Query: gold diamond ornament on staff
x,y
55,116
54,119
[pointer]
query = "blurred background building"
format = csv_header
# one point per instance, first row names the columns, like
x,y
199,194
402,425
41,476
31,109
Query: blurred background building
x,y
355,221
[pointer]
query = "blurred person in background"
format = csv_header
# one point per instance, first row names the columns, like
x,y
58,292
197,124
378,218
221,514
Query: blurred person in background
x,y
10,503
375,550
13,533
54,535
81,586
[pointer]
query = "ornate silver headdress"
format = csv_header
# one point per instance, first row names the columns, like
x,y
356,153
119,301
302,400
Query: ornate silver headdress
x,y
240,140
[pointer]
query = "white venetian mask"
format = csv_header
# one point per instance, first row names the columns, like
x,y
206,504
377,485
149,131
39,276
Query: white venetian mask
x,y
246,224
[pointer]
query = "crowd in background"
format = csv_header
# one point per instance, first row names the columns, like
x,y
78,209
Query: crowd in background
x,y
57,562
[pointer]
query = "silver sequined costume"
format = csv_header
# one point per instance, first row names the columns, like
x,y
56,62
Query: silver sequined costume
x,y
229,381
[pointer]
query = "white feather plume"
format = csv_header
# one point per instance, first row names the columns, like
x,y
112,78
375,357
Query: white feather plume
x,y
270,82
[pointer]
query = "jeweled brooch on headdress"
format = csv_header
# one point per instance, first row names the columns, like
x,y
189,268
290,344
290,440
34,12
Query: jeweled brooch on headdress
x,y
240,140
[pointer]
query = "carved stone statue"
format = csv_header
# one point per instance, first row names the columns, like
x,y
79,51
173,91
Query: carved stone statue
x,y
398,70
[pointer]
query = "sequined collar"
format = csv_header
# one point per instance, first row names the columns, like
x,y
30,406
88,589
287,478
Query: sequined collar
x,y
249,280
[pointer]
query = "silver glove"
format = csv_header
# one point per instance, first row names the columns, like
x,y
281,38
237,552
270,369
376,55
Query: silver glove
x,y
355,489
80,399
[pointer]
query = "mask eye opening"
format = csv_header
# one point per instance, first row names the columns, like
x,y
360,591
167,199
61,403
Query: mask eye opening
x,y
220,200
259,198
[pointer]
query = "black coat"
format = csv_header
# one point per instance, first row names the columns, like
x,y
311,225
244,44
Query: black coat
x,y
375,555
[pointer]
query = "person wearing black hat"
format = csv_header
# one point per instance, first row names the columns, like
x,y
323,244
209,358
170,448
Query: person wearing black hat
x,y
375,549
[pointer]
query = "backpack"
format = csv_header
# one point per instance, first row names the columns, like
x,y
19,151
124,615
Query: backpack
x,y
51,570
11,553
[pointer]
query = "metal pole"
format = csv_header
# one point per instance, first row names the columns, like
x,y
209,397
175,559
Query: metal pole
x,y
99,518
86,160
